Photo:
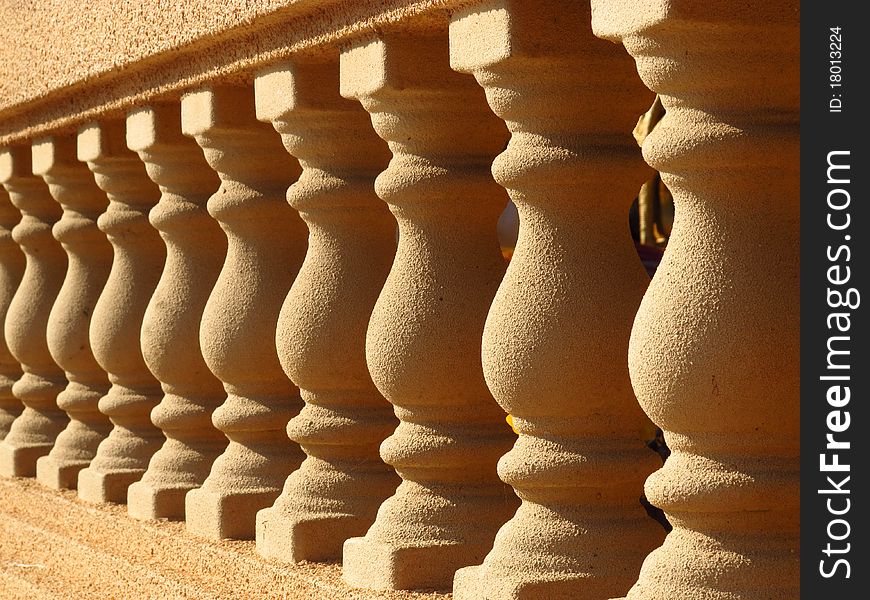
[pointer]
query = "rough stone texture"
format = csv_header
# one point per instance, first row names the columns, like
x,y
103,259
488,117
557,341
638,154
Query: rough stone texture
x,y
714,353
321,333
33,432
266,246
89,257
557,334
11,270
53,545
120,54
423,341
139,255
196,248
106,35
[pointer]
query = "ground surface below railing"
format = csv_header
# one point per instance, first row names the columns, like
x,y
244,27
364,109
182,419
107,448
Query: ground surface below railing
x,y
54,546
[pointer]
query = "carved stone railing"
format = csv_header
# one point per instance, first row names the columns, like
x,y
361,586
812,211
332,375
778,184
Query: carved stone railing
x,y
266,245
423,341
11,270
346,399
139,254
557,334
90,259
336,492
715,345
196,248
34,431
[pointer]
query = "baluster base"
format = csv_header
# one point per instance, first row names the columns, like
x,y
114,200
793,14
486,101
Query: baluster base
x,y
147,502
556,553
20,461
101,487
174,470
475,583
243,480
58,475
376,566
121,460
73,451
323,504
423,535
219,514
18,456
719,565
294,538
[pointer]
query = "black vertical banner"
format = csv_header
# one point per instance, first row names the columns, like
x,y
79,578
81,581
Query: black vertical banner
x,y
835,299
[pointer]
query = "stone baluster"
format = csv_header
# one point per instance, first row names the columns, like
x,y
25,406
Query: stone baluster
x,y
557,334
423,341
196,248
714,352
139,255
11,270
266,246
90,258
33,432
322,329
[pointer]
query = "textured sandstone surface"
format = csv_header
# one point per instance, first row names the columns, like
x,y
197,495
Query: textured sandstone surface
x,y
195,251
321,331
423,340
557,334
33,432
90,259
715,349
53,545
109,62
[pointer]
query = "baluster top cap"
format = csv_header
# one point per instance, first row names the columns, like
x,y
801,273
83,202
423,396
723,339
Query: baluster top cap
x,y
106,139
149,126
51,152
219,107
396,62
292,86
15,161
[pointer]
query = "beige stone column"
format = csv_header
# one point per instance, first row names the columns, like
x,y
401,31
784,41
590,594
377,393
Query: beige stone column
x,y
322,328
90,258
714,352
266,246
557,334
11,270
423,341
33,432
139,254
196,248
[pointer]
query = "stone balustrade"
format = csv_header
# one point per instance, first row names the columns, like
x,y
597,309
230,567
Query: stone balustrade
x,y
123,456
90,259
34,430
423,340
266,246
195,250
557,333
271,303
321,334
714,353
11,270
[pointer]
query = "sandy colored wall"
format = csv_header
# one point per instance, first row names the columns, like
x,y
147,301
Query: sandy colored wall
x,y
63,62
